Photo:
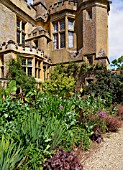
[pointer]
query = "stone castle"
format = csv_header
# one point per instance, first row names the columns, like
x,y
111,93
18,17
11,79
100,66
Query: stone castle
x,y
50,32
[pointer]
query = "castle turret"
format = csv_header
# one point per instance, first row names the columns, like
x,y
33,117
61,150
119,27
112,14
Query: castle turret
x,y
41,9
92,23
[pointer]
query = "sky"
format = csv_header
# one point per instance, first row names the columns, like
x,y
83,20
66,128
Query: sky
x,y
115,29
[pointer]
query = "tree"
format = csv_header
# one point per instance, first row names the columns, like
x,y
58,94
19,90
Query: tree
x,y
118,63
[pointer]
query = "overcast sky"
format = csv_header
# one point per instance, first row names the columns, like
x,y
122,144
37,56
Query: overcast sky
x,y
115,29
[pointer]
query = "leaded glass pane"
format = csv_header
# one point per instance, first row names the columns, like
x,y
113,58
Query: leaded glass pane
x,y
62,40
71,39
62,25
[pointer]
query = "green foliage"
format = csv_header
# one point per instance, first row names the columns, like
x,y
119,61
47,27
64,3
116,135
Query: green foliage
x,y
61,81
118,63
10,154
16,73
64,77
109,86
36,128
11,89
2,92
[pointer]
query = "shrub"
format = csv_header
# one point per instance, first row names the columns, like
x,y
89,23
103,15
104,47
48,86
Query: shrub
x,y
108,86
113,124
120,112
16,73
63,160
61,82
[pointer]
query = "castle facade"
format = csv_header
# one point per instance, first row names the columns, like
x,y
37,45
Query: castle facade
x,y
51,32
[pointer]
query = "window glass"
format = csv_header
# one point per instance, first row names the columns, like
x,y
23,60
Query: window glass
x,y
24,62
18,37
89,14
70,25
71,39
18,23
29,71
23,26
20,32
55,27
62,40
62,25
29,62
23,39
55,41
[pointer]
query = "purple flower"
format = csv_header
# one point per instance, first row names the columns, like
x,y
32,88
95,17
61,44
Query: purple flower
x,y
11,95
61,107
78,96
104,101
102,114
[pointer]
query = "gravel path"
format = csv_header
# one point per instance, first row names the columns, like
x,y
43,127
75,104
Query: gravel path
x,y
108,156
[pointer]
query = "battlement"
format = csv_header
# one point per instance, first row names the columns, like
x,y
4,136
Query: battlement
x,y
64,5
11,46
38,32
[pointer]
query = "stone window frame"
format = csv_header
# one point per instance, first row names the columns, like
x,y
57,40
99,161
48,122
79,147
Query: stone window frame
x,y
37,68
62,31
2,66
71,31
27,65
20,25
59,36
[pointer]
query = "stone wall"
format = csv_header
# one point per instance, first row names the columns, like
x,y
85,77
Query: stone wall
x,y
25,7
89,32
7,24
101,29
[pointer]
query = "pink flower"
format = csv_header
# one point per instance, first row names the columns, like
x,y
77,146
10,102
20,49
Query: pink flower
x,y
102,114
